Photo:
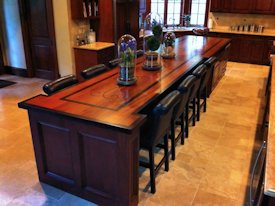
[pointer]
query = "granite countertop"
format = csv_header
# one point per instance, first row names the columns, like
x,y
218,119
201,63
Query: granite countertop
x,y
95,46
270,158
266,32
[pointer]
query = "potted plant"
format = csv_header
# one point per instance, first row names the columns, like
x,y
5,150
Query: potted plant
x,y
152,41
169,45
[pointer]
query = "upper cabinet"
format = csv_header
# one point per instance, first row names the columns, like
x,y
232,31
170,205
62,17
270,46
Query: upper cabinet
x,y
82,9
264,6
243,6
220,5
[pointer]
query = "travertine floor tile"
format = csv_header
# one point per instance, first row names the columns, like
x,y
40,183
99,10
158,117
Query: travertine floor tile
x,y
211,168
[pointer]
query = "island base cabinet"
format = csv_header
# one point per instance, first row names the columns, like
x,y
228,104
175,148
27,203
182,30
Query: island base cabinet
x,y
85,58
96,163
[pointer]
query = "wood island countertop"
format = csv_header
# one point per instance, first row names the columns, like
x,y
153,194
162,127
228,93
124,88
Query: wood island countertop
x,y
270,158
95,46
102,100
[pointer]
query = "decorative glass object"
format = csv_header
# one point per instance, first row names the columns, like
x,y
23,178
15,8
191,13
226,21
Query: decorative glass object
x,y
127,46
168,50
152,41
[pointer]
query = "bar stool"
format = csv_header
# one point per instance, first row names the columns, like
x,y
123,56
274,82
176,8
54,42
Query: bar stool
x,y
59,84
154,131
200,73
210,63
114,63
181,112
93,71
193,97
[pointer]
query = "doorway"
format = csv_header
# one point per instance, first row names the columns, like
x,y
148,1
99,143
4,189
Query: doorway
x,y
38,32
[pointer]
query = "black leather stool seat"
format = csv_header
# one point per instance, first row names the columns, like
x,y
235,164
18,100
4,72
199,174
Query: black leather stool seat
x,y
58,84
181,110
155,130
140,53
93,71
114,62
200,73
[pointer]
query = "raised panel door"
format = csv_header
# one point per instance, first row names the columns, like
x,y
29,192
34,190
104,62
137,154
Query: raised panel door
x,y
241,6
257,51
264,7
215,5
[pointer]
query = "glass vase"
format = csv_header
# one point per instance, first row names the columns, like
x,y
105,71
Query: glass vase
x,y
152,41
127,46
168,50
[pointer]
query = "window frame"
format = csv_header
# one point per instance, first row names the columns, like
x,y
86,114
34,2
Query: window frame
x,y
185,10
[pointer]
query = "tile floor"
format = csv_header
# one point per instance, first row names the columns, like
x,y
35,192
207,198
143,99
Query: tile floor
x,y
212,168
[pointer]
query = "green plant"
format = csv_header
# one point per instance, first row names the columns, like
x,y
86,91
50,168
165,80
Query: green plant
x,y
157,30
153,43
128,57
169,42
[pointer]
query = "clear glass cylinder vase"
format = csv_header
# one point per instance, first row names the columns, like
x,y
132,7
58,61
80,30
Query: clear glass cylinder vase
x,y
168,49
152,40
127,46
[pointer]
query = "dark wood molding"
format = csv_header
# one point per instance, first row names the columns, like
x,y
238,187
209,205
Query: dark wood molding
x,y
25,35
16,71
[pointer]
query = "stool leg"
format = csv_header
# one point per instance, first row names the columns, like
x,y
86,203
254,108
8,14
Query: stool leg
x,y
205,98
152,170
173,146
198,107
186,120
182,127
194,112
166,153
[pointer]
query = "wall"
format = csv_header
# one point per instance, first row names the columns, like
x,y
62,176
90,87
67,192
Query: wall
x,y
225,20
63,37
13,48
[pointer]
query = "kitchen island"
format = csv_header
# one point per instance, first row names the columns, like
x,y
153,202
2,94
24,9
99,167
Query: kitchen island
x,y
86,137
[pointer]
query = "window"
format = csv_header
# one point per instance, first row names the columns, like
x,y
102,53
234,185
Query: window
x,y
198,9
172,11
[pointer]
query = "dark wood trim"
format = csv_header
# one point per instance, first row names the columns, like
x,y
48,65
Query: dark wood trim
x,y
16,71
1,61
206,13
25,35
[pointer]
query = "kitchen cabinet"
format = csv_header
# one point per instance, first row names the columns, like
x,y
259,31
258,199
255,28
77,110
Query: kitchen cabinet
x,y
220,66
85,58
220,5
247,48
82,9
264,6
243,6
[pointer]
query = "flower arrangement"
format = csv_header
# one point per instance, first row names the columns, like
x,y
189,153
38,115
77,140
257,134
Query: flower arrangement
x,y
127,53
127,46
169,44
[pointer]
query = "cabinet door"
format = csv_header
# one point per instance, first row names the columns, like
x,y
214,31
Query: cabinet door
x,y
215,5
257,51
264,7
241,6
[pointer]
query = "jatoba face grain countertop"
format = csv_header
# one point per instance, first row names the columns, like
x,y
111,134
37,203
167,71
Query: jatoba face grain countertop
x,y
95,46
101,100
270,159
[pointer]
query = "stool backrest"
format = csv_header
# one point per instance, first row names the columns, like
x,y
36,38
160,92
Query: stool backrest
x,y
93,71
201,72
159,119
185,89
58,84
